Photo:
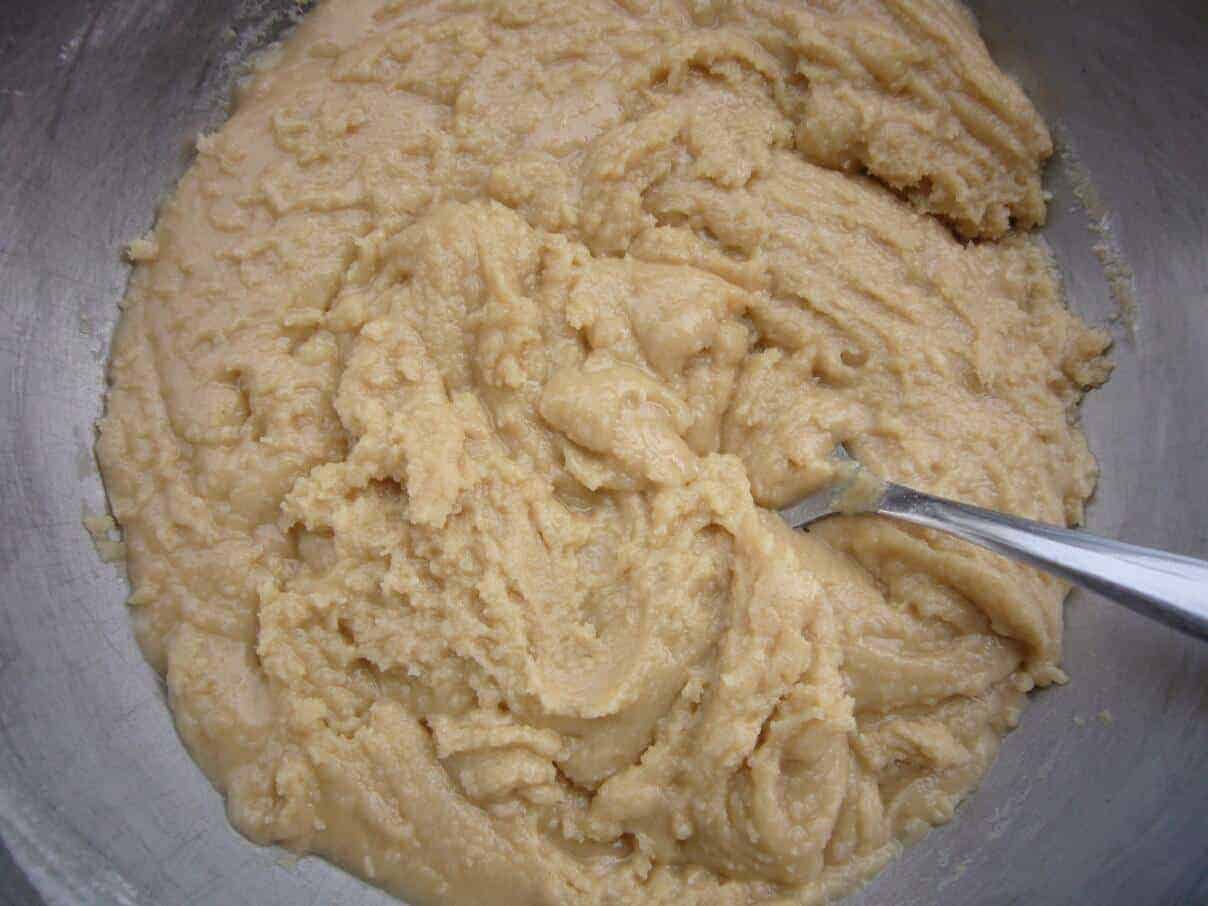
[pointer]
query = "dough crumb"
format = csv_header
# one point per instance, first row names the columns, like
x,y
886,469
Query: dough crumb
x,y
143,249
1121,280
106,537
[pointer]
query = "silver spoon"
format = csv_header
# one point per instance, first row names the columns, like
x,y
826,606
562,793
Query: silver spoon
x,y
1166,587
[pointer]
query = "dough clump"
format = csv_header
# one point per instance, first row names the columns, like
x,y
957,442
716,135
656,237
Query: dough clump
x,y
455,392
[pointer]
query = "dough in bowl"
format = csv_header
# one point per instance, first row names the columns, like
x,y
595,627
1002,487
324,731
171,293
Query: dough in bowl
x,y
457,387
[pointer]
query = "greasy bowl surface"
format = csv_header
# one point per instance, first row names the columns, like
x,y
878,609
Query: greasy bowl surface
x,y
1100,797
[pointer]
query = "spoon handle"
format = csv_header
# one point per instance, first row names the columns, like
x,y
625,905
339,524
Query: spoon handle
x,y
1166,587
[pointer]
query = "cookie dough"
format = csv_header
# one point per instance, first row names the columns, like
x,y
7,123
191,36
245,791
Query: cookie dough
x,y
455,392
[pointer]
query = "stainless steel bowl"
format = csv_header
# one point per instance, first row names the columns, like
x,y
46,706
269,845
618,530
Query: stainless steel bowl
x,y
1100,797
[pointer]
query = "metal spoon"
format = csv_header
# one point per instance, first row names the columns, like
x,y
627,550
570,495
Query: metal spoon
x,y
1166,587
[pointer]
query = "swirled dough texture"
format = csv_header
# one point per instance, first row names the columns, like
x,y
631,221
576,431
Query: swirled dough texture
x,y
455,392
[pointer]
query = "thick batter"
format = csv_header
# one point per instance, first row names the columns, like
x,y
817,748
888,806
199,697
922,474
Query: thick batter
x,y
456,387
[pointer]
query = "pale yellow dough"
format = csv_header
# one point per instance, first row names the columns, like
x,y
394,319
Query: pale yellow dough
x,y
455,391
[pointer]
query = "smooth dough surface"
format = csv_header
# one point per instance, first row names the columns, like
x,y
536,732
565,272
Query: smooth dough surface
x,y
456,389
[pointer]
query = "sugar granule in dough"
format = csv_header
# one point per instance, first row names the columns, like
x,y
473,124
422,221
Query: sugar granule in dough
x,y
457,386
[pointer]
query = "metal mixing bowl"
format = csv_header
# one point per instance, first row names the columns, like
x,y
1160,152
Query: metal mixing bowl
x,y
1100,797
